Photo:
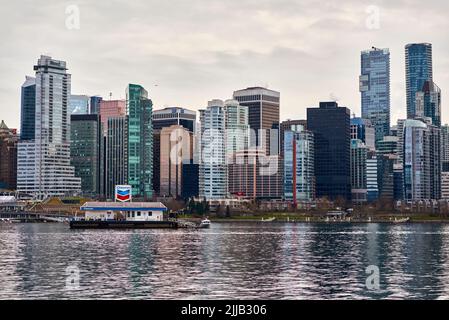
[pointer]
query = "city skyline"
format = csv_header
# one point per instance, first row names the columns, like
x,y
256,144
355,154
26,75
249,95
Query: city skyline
x,y
291,43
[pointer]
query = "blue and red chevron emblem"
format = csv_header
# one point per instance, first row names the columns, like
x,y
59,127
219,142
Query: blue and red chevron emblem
x,y
123,193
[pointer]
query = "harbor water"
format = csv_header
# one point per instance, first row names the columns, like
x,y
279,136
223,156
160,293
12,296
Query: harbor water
x,y
227,261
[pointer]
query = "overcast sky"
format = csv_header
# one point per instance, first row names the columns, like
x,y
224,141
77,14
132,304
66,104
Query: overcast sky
x,y
186,52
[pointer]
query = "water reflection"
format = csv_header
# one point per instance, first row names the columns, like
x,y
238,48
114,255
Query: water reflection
x,y
228,261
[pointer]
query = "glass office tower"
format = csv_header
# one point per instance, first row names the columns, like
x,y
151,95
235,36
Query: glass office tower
x,y
140,141
375,89
418,70
331,126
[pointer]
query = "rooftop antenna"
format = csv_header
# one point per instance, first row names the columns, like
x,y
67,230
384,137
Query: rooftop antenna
x,y
110,95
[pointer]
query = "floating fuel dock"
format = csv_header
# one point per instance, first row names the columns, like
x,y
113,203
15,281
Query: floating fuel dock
x,y
123,215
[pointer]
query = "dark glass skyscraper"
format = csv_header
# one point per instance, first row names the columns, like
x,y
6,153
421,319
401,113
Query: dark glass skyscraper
x,y
28,110
331,127
375,89
418,70
86,152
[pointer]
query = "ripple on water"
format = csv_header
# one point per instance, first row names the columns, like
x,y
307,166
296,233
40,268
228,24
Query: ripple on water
x,y
228,261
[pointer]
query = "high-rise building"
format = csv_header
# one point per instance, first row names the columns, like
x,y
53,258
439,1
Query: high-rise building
x,y
8,157
363,130
44,163
28,110
86,149
176,148
174,116
190,180
95,102
359,186
263,116
236,126
400,135
299,164
286,126
445,147
375,89
389,168
164,118
388,145
116,168
422,161
140,141
213,174
372,178
79,104
111,109
418,70
445,185
331,127
428,103
256,175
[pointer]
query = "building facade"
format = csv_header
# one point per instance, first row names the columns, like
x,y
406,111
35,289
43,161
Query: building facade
x,y
363,130
330,125
418,70
116,168
422,161
359,185
165,118
236,126
140,141
299,165
86,150
111,109
8,157
428,102
174,116
263,116
213,173
28,110
176,148
256,175
375,89
44,167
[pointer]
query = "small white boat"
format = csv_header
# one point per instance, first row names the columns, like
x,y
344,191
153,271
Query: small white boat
x,y
204,224
268,220
404,220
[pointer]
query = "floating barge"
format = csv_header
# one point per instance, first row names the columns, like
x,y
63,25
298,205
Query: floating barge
x,y
123,215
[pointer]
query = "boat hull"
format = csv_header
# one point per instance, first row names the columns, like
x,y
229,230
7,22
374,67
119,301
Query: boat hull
x,y
123,225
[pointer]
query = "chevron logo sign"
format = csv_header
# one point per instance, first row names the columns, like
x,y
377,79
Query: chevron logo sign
x,y
123,193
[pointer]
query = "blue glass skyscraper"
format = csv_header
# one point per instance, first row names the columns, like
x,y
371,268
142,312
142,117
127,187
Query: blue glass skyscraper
x,y
418,70
375,89
28,109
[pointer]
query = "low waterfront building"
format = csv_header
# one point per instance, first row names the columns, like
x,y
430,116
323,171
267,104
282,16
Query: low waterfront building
x,y
131,211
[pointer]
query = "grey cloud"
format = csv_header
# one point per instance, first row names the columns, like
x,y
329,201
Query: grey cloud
x,y
196,50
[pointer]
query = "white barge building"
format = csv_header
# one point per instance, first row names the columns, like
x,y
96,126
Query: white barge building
x,y
122,215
